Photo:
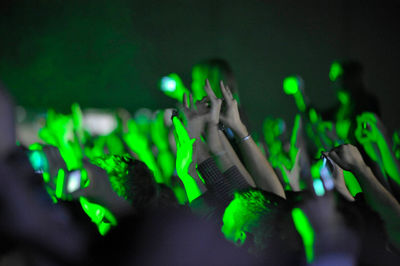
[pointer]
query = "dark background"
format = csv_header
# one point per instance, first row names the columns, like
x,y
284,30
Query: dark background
x,y
112,53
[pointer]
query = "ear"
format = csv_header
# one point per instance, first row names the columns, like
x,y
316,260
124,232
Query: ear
x,y
242,238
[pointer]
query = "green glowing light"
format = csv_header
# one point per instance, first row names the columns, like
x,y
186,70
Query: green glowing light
x,y
60,183
344,97
303,226
85,181
315,169
293,138
342,128
173,86
35,147
335,71
290,85
46,177
313,115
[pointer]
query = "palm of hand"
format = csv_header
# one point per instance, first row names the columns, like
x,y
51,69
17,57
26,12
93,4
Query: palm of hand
x,y
184,156
184,144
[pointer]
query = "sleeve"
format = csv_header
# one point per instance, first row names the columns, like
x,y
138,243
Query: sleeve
x,y
215,182
236,179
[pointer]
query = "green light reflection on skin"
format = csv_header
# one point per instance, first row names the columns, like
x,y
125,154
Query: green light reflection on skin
x,y
232,227
244,214
303,226
313,115
351,183
99,215
184,159
60,183
335,71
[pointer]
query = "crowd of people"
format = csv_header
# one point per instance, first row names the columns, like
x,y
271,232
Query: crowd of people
x,y
191,185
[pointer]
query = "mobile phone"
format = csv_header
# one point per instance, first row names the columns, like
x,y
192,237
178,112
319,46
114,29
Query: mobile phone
x,y
326,173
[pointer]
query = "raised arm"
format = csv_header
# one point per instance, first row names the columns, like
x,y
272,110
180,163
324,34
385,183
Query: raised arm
x,y
258,166
349,158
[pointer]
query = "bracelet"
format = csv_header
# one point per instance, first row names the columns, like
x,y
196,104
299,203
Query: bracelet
x,y
245,138
219,153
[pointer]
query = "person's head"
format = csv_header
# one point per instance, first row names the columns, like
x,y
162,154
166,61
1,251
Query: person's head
x,y
130,179
246,213
214,70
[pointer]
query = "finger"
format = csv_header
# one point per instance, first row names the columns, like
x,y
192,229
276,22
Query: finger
x,y
180,130
227,96
216,106
334,156
209,91
229,92
191,101
184,101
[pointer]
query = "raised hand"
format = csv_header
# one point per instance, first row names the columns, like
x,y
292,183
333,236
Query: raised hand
x,y
196,117
215,104
294,174
184,159
347,157
367,130
339,179
231,116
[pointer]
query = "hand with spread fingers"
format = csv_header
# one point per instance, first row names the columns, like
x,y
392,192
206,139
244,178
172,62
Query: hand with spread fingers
x,y
231,116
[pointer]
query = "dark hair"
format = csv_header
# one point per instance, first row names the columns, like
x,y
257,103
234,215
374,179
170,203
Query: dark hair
x,y
130,179
352,69
224,68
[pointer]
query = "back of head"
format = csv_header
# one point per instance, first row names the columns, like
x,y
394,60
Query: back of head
x,y
130,179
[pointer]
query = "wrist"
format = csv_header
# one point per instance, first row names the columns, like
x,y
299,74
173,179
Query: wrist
x,y
241,131
361,171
